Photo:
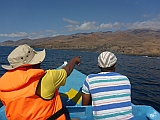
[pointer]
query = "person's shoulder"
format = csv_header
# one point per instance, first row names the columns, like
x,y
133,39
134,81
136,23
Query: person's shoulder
x,y
55,70
93,75
120,75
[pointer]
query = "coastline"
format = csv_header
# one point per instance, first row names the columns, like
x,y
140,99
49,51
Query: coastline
x,y
139,42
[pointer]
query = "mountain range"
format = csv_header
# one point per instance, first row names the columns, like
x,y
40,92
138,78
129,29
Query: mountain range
x,y
144,42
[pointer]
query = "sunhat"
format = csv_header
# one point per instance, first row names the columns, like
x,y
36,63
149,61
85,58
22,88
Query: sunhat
x,y
106,59
24,55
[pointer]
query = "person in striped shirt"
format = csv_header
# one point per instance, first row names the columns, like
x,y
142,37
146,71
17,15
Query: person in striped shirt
x,y
108,92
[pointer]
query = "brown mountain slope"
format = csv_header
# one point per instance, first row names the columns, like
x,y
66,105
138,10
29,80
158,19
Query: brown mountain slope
x,y
132,42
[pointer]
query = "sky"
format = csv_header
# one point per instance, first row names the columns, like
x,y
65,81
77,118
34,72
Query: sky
x,y
34,19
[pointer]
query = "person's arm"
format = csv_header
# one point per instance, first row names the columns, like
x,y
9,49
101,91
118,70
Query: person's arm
x,y
86,95
86,99
53,79
69,67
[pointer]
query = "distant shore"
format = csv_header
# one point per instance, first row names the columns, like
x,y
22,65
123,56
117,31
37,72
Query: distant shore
x,y
140,42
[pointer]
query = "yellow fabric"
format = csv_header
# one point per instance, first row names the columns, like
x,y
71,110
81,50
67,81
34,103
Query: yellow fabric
x,y
52,80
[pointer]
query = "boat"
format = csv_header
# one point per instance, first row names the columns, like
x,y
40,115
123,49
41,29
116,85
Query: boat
x,y
72,101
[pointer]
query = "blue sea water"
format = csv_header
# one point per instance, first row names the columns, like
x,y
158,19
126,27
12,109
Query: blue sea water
x,y
143,71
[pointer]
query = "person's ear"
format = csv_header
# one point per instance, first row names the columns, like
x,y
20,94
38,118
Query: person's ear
x,y
115,66
98,66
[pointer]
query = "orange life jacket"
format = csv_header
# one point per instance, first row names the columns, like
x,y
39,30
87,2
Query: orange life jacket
x,y
17,92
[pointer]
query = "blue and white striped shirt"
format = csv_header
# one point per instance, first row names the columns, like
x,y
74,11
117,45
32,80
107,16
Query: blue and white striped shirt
x,y
111,95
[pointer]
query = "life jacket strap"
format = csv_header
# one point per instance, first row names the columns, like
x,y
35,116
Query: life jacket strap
x,y
60,112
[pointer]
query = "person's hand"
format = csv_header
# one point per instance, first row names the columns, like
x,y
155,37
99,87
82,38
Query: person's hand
x,y
77,59
70,66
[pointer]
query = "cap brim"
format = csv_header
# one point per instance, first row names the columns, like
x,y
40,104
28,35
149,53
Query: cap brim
x,y
38,58
7,67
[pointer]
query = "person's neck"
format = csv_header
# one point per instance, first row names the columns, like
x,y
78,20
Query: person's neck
x,y
108,71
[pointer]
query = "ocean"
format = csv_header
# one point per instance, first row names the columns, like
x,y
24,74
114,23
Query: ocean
x,y
142,71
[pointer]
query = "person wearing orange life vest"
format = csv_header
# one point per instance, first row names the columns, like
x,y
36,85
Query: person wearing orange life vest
x,y
27,91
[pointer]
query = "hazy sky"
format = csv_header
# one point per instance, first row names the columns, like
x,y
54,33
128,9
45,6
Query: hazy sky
x,y
46,18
